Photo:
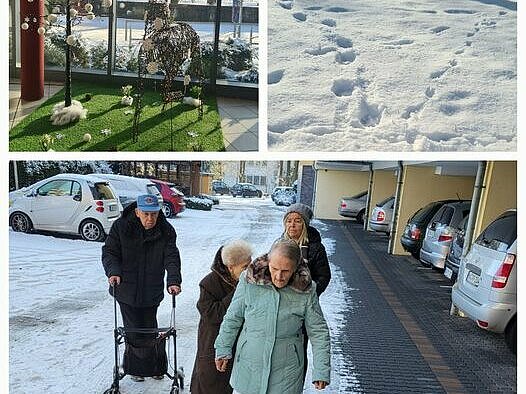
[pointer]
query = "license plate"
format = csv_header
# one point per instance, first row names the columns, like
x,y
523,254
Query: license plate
x,y
448,272
113,207
473,278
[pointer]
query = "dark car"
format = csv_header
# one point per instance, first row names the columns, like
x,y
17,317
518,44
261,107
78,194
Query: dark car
x,y
415,228
220,187
455,252
245,190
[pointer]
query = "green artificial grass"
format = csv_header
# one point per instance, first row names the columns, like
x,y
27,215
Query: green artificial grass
x,y
106,112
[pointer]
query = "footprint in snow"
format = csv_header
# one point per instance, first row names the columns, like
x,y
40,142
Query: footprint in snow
x,y
329,22
468,43
449,109
459,51
412,109
345,87
457,11
342,42
314,8
502,13
470,34
345,57
318,51
274,77
430,92
286,4
439,29
337,9
398,43
300,16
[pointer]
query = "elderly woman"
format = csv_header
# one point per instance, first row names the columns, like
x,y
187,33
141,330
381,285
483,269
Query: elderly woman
x,y
275,297
296,223
217,289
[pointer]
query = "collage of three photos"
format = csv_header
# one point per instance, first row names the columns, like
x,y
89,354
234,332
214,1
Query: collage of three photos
x,y
300,197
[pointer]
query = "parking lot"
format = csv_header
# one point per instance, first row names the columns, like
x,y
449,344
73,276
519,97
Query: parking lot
x,y
398,335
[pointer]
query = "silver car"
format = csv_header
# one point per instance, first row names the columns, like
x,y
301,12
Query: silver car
x,y
381,216
353,207
486,288
440,232
67,203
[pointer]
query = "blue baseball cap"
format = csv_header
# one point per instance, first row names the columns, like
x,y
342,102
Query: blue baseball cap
x,y
148,203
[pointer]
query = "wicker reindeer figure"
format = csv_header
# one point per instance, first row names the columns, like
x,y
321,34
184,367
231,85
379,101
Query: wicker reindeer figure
x,y
170,48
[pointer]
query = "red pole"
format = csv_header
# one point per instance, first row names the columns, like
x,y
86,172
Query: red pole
x,y
31,50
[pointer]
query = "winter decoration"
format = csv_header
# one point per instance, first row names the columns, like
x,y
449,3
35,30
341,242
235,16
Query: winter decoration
x,y
62,114
172,48
127,99
46,141
105,132
191,101
41,30
86,137
70,40
88,7
59,136
106,3
25,26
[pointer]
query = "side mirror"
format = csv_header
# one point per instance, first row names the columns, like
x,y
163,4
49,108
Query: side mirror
x,y
77,197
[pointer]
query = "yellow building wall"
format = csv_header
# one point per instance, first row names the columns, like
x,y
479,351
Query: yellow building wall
x,y
420,187
500,193
332,185
384,185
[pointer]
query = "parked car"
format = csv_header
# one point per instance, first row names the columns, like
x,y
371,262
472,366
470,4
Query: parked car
x,y
440,232
284,196
214,199
245,190
128,188
173,199
277,190
220,187
354,207
382,215
66,203
486,288
415,228
455,251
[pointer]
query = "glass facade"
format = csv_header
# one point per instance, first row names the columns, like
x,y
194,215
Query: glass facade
x,y
109,43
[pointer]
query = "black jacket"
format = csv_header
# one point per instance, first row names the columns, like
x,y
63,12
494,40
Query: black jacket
x,y
140,257
317,261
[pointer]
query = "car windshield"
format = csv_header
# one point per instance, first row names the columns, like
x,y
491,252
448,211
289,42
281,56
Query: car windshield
x,y
423,212
152,189
359,195
174,189
101,191
384,202
501,233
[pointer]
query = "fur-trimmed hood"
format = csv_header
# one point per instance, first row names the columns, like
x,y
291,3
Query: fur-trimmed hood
x,y
258,273
221,269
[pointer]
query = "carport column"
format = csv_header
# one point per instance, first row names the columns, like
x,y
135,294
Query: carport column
x,y
399,183
475,202
368,203
31,50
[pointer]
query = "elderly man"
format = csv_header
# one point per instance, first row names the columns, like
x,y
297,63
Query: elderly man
x,y
140,247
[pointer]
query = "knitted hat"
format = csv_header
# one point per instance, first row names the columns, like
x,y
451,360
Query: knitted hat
x,y
303,210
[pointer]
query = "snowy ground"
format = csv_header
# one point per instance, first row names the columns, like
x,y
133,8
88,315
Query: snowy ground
x,y
390,75
61,316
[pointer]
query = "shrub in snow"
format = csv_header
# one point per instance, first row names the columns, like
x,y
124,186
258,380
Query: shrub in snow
x,y
62,115
203,204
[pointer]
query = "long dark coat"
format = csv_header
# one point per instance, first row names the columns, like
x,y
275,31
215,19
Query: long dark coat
x,y
217,289
141,257
317,261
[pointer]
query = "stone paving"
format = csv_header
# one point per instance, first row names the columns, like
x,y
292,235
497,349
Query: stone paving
x,y
399,336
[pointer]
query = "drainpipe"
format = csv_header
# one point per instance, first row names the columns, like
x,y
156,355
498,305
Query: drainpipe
x,y
475,203
368,202
396,208
15,172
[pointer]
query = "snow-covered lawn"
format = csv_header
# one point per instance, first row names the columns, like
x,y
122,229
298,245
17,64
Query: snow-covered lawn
x,y
422,75
61,316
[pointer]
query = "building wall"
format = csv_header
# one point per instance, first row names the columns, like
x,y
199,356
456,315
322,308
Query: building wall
x,y
206,183
500,193
331,186
422,186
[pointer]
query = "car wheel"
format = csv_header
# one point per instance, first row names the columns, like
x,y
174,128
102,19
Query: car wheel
x,y
360,216
510,335
91,230
167,209
20,222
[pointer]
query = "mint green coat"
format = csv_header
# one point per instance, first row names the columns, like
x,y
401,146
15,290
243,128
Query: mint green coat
x,y
269,355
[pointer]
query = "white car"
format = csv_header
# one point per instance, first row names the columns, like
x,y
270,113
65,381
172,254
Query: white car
x,y
66,203
128,188
382,216
486,287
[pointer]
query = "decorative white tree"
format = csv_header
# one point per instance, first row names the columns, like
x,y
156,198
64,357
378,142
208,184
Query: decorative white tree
x,y
65,14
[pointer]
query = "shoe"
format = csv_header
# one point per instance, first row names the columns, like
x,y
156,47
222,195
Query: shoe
x,y
137,378
159,377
